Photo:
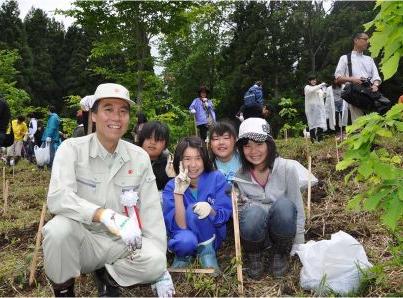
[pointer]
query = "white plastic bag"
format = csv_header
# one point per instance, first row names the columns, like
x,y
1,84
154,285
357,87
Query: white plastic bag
x,y
332,264
303,175
42,154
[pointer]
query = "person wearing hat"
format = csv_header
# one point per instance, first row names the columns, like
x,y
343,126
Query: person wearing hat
x,y
315,108
108,216
203,109
271,212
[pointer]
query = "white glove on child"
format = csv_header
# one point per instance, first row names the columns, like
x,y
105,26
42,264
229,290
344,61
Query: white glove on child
x,y
169,169
182,181
125,227
202,209
164,286
193,111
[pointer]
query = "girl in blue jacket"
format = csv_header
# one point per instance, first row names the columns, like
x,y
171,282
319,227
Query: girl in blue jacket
x,y
195,206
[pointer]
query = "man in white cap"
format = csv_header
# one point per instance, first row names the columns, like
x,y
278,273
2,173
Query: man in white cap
x,y
108,216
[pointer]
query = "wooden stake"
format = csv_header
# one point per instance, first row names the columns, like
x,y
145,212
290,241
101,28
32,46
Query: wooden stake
x,y
337,150
309,188
37,245
13,171
4,180
238,254
194,121
190,270
89,122
5,196
285,135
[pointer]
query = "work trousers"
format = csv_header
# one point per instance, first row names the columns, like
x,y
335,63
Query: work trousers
x,y
184,242
260,228
70,249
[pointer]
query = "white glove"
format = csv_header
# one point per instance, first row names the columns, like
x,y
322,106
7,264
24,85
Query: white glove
x,y
182,181
193,111
169,169
202,209
295,248
125,227
164,286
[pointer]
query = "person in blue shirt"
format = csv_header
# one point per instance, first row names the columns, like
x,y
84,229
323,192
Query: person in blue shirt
x,y
223,152
195,206
203,109
52,132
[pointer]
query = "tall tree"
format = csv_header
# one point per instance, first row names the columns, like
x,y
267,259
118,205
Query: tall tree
x,y
13,36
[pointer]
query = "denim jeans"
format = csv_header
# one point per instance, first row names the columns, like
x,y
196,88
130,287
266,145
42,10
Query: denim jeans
x,y
258,227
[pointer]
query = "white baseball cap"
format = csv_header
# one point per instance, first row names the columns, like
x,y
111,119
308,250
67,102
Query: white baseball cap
x,y
111,90
256,129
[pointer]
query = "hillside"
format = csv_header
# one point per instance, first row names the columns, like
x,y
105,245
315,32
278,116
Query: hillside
x,y
28,190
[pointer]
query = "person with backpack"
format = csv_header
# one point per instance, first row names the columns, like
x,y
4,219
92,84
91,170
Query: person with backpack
x,y
315,108
5,116
362,68
203,109
253,101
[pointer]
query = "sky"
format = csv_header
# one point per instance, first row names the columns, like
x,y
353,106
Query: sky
x,y
49,7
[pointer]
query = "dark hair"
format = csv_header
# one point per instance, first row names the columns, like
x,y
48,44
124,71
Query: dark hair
x,y
192,142
222,127
141,117
52,109
259,83
358,35
253,111
156,129
272,154
95,105
203,89
21,118
311,77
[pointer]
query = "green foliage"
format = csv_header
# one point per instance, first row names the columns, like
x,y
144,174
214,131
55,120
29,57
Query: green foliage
x,y
379,170
288,113
16,98
387,40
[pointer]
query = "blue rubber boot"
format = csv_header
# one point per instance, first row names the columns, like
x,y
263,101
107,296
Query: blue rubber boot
x,y
207,256
182,262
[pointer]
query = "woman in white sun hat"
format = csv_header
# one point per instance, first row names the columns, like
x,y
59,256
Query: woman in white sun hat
x,y
271,213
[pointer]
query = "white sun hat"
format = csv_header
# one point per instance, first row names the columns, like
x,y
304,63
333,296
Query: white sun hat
x,y
111,90
256,129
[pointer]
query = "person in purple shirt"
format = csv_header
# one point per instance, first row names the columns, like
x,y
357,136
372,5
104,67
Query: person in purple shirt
x,y
203,109
195,206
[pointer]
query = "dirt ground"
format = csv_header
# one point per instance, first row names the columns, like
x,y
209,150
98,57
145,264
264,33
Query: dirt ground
x,y
28,187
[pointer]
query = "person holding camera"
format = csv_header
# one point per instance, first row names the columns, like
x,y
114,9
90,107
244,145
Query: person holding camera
x,y
363,68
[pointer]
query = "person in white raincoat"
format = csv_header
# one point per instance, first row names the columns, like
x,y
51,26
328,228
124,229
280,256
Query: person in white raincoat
x,y
336,107
315,109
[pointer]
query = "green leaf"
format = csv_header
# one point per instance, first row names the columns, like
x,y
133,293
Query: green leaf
x,y
355,203
393,212
365,169
373,200
396,159
344,164
400,192
384,133
383,170
389,67
399,125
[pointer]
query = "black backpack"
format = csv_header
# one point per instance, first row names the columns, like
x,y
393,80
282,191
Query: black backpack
x,y
9,138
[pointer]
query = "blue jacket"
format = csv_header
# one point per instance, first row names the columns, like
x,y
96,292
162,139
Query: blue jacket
x,y
52,129
258,91
212,187
201,113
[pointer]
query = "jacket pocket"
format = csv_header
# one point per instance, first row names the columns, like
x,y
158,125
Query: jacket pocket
x,y
89,186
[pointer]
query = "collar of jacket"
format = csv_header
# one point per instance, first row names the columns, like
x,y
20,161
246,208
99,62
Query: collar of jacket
x,y
120,148
245,177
